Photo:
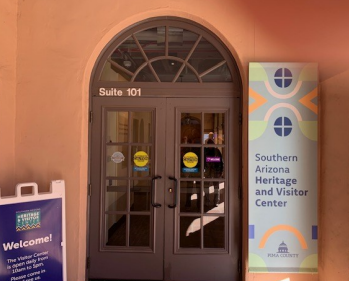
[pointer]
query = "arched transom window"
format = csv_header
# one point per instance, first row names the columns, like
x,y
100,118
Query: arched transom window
x,y
166,51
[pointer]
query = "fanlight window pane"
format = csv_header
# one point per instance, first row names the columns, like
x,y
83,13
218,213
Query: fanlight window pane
x,y
205,56
166,69
128,55
220,74
152,42
187,75
112,73
181,42
145,75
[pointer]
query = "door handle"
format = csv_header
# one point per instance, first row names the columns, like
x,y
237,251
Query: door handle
x,y
155,205
174,193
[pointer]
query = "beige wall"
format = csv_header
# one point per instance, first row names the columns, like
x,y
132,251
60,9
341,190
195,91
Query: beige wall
x,y
45,67
8,48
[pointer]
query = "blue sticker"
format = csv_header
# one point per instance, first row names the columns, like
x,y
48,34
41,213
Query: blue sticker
x,y
190,170
140,169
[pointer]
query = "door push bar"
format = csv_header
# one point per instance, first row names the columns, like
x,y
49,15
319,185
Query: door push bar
x,y
155,205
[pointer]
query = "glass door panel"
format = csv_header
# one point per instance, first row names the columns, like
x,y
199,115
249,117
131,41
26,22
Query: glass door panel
x,y
125,185
117,126
190,196
199,230
201,178
128,214
116,195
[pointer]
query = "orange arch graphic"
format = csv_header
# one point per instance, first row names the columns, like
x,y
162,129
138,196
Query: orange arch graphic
x,y
286,227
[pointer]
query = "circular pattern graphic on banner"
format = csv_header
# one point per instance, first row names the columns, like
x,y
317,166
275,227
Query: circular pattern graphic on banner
x,y
140,158
283,126
283,77
117,157
190,160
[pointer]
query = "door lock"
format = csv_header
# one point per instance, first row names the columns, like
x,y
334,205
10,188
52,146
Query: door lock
x,y
174,191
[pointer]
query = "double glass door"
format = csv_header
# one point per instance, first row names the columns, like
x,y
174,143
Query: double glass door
x,y
164,189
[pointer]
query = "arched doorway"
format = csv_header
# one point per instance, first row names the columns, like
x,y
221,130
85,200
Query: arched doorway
x,y
165,156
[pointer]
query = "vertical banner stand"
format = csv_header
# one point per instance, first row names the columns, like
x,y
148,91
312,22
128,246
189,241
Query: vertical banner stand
x,y
283,167
32,234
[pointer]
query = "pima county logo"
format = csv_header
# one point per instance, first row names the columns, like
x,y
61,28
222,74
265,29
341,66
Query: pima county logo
x,y
26,220
282,252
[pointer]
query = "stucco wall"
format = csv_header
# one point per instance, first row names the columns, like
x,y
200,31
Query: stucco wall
x,y
334,210
47,78
8,48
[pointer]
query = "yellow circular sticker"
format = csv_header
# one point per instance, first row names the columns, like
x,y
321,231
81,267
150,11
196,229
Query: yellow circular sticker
x,y
190,160
140,158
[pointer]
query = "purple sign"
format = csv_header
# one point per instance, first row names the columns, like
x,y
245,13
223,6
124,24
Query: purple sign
x,y
213,159
31,242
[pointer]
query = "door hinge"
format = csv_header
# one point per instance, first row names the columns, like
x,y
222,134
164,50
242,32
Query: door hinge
x,y
89,191
91,116
88,261
239,266
240,118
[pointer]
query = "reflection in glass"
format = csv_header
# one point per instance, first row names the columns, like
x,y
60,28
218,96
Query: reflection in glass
x,y
141,160
214,161
190,232
214,126
214,197
128,55
139,230
166,69
190,196
205,56
145,75
187,75
112,73
116,160
220,74
191,128
152,41
116,195
142,127
214,232
117,126
116,230
140,195
181,41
